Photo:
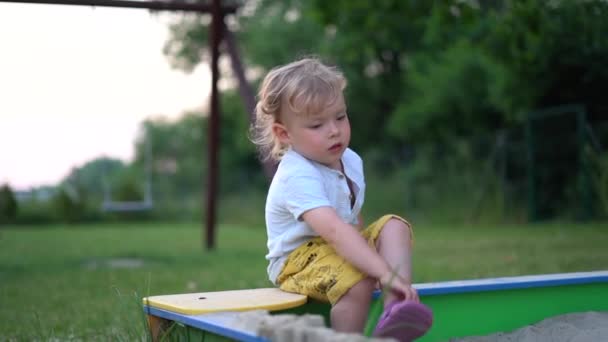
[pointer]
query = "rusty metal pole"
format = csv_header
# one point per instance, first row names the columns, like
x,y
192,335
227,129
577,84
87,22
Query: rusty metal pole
x,y
214,125
245,90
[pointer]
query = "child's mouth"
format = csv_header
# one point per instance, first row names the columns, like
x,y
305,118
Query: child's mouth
x,y
335,147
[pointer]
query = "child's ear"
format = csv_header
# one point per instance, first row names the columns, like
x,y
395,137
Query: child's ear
x,y
280,131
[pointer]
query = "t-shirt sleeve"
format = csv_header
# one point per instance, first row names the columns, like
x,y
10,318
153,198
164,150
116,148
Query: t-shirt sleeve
x,y
303,193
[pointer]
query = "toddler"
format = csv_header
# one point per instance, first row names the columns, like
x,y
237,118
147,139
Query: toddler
x,y
317,243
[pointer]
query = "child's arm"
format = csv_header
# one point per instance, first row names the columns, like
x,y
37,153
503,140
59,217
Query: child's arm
x,y
347,241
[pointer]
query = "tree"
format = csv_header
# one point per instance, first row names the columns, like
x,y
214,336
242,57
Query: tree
x,y
8,204
425,72
551,63
501,64
94,176
269,33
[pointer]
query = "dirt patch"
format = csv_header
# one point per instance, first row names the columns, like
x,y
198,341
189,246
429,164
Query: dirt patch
x,y
114,263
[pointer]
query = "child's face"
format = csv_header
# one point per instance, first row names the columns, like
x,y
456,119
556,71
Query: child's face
x,y
322,137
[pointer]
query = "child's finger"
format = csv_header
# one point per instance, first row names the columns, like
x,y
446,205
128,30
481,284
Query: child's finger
x,y
410,293
415,296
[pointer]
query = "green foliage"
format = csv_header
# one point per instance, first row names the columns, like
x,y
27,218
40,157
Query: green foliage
x,y
39,212
599,174
244,207
443,183
427,72
439,107
424,76
277,32
8,204
238,156
189,41
69,204
128,191
80,195
179,151
550,62
269,32
490,68
95,176
374,43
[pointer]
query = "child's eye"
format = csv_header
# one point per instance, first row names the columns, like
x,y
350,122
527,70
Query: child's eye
x,y
315,126
341,117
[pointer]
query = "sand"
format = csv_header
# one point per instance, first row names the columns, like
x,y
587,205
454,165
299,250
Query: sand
x,y
575,327
295,328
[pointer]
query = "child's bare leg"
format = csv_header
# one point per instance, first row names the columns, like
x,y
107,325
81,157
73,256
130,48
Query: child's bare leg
x,y
350,312
394,246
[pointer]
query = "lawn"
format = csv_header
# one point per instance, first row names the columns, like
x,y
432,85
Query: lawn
x,y
86,282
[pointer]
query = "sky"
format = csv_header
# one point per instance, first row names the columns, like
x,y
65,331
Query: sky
x,y
75,84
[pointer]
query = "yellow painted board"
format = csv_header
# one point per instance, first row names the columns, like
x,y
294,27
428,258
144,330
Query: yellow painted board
x,y
270,299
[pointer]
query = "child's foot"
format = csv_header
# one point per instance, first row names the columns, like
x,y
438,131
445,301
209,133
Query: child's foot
x,y
404,320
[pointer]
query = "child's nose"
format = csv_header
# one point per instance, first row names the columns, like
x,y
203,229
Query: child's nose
x,y
333,128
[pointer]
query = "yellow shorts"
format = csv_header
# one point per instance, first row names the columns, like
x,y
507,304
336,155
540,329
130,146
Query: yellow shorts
x,y
316,270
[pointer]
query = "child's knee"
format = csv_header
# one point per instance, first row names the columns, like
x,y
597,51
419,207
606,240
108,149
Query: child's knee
x,y
395,223
398,227
398,222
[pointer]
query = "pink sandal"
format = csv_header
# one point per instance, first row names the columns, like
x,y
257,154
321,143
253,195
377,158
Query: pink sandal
x,y
404,320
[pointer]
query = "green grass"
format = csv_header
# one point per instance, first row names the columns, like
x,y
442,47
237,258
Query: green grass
x,y
58,282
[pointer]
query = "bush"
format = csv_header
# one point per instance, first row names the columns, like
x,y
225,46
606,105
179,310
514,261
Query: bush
x,y
36,212
459,183
67,206
599,169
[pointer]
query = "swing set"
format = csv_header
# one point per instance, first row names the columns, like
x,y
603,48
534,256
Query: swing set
x,y
219,33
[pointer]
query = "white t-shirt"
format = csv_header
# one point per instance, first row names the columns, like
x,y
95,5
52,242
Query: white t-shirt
x,y
299,185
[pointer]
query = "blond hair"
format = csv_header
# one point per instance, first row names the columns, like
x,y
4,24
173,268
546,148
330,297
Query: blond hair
x,y
304,87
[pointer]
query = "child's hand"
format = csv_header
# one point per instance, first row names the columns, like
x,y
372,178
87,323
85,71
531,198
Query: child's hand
x,y
393,282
